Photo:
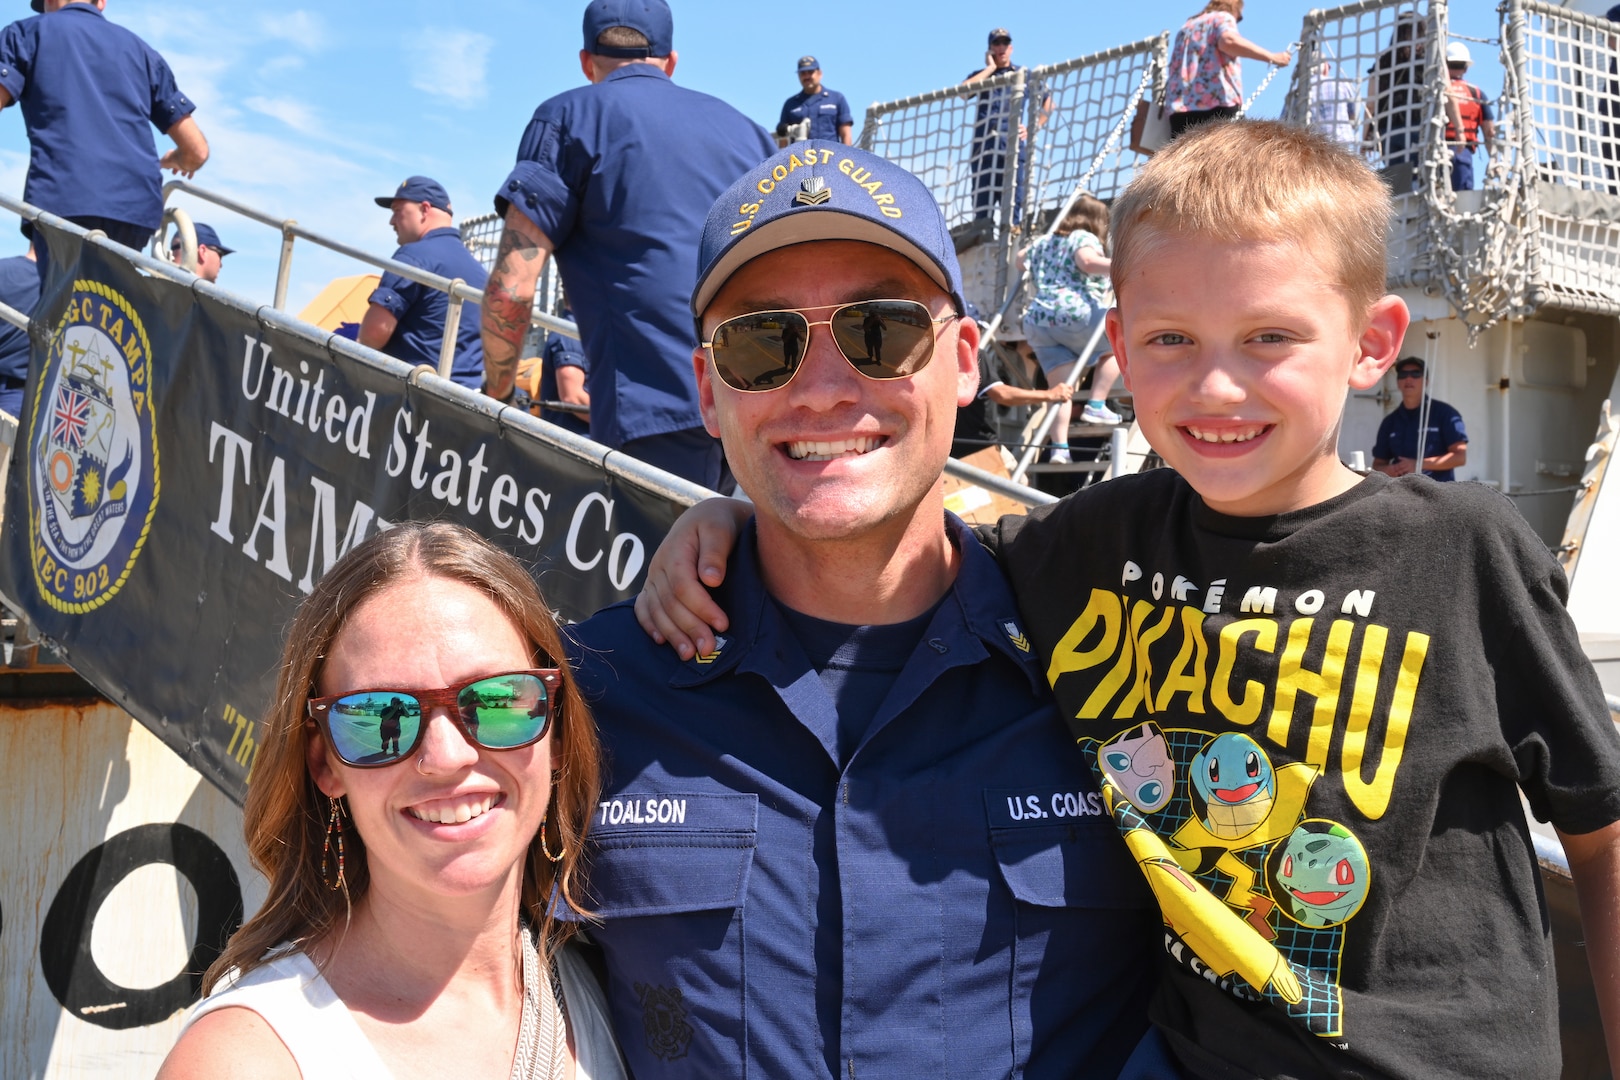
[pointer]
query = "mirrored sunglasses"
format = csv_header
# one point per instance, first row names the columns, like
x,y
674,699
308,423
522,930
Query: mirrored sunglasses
x,y
372,728
881,339
1403,375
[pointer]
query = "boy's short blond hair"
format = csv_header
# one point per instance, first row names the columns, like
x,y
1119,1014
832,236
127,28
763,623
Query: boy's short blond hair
x,y
1259,180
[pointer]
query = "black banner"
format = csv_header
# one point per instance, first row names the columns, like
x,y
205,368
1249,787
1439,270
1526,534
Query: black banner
x,y
183,475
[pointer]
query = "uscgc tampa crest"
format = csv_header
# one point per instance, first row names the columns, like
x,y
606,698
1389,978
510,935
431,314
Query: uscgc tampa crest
x,y
93,475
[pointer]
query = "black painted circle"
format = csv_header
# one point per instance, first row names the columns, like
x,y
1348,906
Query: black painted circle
x,y
64,939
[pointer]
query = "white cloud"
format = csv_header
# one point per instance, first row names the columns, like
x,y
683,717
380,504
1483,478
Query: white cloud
x,y
451,64
280,65
299,27
295,114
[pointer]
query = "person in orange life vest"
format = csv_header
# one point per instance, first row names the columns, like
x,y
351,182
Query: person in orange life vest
x,y
1477,119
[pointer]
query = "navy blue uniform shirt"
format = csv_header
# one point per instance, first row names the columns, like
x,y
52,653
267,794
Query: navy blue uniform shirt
x,y
988,113
826,109
422,310
19,287
90,93
560,352
1397,435
620,175
953,900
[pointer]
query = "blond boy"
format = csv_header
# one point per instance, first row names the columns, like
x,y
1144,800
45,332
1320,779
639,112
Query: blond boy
x,y
1311,698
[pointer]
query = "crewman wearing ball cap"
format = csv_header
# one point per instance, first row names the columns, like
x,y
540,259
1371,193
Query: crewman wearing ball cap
x,y
825,111
614,179
407,319
852,837
210,252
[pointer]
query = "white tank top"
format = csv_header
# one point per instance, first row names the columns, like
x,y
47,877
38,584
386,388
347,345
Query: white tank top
x,y
326,1044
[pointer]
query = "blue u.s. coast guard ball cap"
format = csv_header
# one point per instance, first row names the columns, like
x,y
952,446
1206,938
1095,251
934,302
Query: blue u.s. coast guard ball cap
x,y
207,235
418,189
824,190
651,18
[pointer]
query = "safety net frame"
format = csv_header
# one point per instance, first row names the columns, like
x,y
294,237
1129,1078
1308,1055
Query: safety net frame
x,y
956,141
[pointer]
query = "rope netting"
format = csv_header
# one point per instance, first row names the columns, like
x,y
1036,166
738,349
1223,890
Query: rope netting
x,y
1543,227
957,141
1084,102
1567,66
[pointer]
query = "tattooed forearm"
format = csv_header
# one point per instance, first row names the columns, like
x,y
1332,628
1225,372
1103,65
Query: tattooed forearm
x,y
505,322
508,300
514,242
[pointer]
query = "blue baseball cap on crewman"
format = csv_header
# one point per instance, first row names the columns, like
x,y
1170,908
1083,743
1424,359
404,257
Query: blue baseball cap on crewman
x,y
809,63
205,235
823,190
418,189
650,18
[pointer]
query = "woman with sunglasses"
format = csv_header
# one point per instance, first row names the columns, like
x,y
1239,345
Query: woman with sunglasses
x,y
426,777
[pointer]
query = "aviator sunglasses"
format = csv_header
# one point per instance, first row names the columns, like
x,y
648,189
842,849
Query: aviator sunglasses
x,y
881,339
368,729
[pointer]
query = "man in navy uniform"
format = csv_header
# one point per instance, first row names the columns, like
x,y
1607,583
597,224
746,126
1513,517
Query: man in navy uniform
x,y
19,288
210,252
406,320
91,92
826,110
853,837
615,179
562,378
1445,441
992,122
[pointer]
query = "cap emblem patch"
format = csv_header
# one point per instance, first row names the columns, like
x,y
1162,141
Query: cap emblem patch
x,y
813,192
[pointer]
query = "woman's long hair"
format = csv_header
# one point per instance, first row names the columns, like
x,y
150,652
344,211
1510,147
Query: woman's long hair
x,y
1233,8
285,817
1088,213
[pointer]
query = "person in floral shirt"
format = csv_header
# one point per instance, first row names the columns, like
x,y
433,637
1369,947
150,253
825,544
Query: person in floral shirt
x,y
1069,281
1206,76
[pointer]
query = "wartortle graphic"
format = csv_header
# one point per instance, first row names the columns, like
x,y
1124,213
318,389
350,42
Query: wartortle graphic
x,y
93,480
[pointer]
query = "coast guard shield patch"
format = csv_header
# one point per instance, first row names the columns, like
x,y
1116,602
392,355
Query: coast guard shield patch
x,y
93,476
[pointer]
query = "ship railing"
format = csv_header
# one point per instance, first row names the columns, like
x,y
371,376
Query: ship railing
x,y
457,289
611,461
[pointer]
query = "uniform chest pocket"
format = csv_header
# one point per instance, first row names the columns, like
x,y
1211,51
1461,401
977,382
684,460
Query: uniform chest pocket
x,y
1059,849
668,878
666,853
1085,923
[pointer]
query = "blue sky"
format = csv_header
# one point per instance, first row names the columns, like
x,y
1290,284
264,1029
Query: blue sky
x,y
313,111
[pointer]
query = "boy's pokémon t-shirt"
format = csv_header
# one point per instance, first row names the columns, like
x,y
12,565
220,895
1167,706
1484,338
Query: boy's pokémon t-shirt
x,y
1312,730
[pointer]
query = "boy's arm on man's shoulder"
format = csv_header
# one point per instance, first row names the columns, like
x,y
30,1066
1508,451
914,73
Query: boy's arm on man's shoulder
x,y
1594,863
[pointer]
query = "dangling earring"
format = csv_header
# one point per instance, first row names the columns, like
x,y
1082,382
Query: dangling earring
x,y
334,839
546,851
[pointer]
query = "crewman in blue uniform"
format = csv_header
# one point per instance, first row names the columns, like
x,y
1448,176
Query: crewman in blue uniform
x,y
615,179
406,319
19,288
1445,437
211,251
853,839
91,92
564,367
826,110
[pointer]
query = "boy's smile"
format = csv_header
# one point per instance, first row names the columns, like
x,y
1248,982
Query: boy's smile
x,y
1238,355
